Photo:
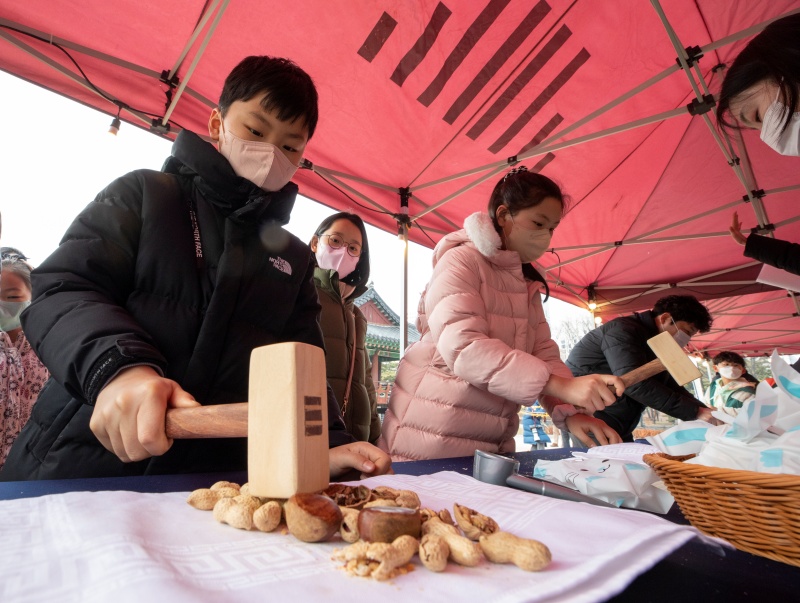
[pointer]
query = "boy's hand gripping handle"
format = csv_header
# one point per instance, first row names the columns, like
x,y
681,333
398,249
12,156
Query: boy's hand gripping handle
x,y
216,421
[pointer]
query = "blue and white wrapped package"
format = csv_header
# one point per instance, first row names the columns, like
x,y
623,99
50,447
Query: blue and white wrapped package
x,y
621,482
764,436
688,437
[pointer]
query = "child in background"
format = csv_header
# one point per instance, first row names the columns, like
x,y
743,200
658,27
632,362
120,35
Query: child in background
x,y
731,389
22,374
533,431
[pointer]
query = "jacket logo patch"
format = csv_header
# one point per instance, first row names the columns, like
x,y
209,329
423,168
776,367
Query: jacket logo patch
x,y
281,265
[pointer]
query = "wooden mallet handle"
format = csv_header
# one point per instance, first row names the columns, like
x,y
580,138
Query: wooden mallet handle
x,y
670,357
645,371
217,421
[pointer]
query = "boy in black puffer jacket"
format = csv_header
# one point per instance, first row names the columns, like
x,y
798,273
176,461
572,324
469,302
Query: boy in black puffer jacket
x,y
164,284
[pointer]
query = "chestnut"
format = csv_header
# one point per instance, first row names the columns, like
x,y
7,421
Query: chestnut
x,y
385,524
312,517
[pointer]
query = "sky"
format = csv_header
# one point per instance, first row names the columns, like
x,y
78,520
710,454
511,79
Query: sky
x,y
58,155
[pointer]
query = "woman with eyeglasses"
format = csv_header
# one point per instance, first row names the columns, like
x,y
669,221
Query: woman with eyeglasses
x,y
22,374
342,253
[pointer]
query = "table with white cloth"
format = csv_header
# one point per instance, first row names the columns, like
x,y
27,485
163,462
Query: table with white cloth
x,y
127,539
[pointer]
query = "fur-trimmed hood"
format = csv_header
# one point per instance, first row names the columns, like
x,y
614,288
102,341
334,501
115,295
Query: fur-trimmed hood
x,y
478,230
479,233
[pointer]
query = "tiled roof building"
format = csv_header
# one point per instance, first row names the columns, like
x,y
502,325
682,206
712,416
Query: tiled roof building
x,y
383,336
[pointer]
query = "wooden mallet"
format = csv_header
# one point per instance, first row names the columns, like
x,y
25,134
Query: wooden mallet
x,y
670,356
285,421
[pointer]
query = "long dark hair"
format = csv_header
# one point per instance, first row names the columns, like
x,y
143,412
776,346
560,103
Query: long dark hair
x,y
360,275
520,189
772,56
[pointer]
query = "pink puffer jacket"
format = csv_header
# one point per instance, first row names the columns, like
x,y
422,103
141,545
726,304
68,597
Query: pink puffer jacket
x,y
485,350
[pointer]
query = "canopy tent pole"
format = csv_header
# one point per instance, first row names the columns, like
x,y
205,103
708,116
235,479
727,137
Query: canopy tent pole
x,y
439,215
757,204
73,76
85,50
736,306
751,194
404,320
198,28
703,103
749,313
346,176
793,295
740,342
646,237
500,166
96,54
542,148
402,225
179,92
663,286
745,33
460,191
337,176
761,322
580,257
560,134
324,174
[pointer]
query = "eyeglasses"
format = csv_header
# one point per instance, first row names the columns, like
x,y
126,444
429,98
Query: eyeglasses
x,y
335,241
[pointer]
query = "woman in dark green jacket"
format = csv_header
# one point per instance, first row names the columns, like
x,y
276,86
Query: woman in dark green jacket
x,y
342,253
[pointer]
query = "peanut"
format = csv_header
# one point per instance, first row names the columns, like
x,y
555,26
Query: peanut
x,y
360,558
433,552
474,524
462,550
234,514
203,499
220,485
526,554
267,517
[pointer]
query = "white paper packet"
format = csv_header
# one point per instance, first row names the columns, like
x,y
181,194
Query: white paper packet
x,y
623,482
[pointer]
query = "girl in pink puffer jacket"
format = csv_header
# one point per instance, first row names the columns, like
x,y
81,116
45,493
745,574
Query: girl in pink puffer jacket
x,y
485,348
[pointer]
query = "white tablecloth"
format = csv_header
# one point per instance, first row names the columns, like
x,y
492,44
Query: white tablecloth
x,y
128,546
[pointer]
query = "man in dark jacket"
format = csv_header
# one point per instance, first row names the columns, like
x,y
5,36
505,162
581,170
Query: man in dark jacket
x,y
620,346
162,287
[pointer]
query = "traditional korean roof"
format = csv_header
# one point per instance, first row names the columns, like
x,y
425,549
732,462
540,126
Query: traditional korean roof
x,y
377,301
384,338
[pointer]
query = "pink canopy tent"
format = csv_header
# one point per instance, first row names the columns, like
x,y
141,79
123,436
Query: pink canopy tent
x,y
425,104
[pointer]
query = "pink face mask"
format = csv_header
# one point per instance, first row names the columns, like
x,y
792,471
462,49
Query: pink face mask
x,y
262,163
335,259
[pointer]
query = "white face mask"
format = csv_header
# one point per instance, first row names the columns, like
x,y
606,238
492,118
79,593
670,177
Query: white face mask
x,y
529,244
730,372
788,141
9,314
339,260
262,163
681,337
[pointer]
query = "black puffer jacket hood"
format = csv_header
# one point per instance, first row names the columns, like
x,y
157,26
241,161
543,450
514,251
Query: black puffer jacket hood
x,y
200,163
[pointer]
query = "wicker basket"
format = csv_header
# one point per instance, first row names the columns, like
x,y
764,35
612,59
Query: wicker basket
x,y
755,512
